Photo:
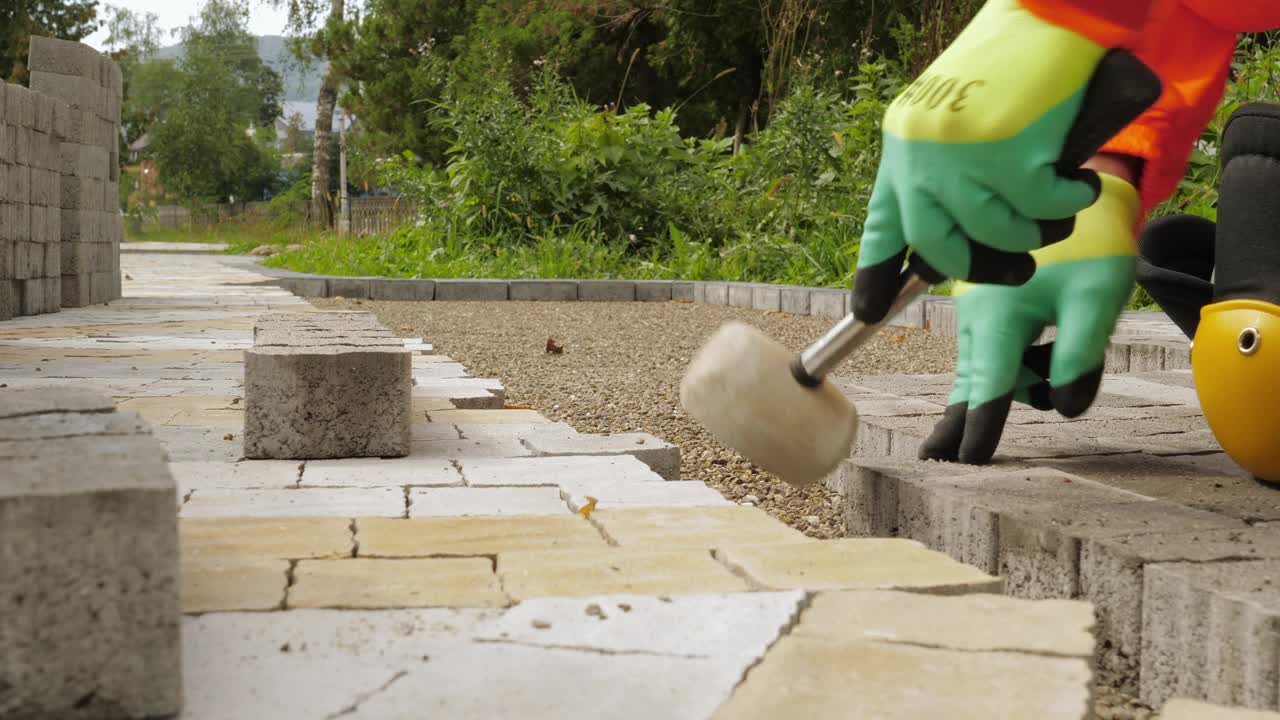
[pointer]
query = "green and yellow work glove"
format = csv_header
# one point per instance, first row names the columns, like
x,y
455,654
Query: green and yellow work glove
x,y
967,178
1082,284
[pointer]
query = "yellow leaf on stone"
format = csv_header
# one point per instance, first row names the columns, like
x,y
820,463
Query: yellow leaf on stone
x,y
586,510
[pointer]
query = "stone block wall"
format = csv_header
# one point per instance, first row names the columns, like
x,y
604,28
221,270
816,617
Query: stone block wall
x,y
92,86
30,214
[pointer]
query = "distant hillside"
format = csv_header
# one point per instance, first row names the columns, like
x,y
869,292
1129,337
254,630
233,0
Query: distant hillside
x,y
301,84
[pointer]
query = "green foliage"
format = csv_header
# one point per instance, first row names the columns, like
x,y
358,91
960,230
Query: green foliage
x,y
20,19
206,106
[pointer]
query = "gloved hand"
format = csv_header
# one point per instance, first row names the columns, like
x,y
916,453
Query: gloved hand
x,y
967,178
1082,285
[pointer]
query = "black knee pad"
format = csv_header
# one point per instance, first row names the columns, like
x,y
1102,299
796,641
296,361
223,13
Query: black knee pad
x,y
1175,262
1248,238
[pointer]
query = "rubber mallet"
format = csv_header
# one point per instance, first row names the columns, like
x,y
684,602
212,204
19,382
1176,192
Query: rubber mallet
x,y
776,409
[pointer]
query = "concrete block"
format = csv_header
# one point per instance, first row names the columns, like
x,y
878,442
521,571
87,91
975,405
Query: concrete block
x,y
8,138
83,160
89,600
717,293
684,291
22,150
1209,633
75,90
20,109
61,116
829,304
1112,573
740,294
111,196
43,113
353,288
63,57
52,294
9,307
19,184
794,300
52,264
306,287
75,290
330,401
402,289
654,290
544,290
75,257
766,297
471,290
21,260
607,290
6,258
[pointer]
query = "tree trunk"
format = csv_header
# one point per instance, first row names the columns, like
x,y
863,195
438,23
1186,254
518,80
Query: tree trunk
x,y
324,129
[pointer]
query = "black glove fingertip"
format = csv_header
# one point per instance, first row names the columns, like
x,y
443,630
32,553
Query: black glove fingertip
x,y
1052,231
1074,398
944,442
875,287
983,428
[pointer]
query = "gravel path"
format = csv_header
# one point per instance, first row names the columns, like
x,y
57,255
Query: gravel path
x,y
621,368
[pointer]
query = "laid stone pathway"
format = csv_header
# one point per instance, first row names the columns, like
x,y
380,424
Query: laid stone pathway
x,y
512,567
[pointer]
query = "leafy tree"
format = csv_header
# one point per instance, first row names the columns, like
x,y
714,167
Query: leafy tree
x,y
206,106
20,19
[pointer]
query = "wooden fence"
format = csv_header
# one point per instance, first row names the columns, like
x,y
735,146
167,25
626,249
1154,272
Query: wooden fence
x,y
369,215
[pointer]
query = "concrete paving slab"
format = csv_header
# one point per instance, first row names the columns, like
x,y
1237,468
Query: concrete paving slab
x,y
609,494
309,502
486,417
265,474
448,502
476,535
375,472
554,471
741,625
457,449
661,456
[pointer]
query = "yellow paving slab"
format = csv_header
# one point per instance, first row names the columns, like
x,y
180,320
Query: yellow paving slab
x,y
227,419
266,538
422,405
422,537
371,583
176,327
973,623
485,417
575,573
161,410
693,527
19,353
232,582
812,677
857,564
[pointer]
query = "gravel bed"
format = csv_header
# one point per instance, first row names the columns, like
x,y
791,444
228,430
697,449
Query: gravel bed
x,y
620,371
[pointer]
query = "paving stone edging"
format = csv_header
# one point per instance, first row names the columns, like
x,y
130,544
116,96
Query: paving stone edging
x,y
1142,343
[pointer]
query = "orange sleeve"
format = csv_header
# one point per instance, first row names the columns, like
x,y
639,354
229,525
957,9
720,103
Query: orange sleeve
x,y
1189,44
1236,16
1109,23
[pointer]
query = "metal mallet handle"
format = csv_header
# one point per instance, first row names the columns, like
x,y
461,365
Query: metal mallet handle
x,y
851,333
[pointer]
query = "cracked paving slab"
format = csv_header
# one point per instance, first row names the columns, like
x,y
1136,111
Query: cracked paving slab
x,y
593,659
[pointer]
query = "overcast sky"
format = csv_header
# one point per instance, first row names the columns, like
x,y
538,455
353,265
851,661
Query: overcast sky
x,y
174,14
